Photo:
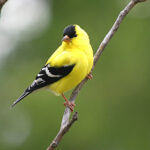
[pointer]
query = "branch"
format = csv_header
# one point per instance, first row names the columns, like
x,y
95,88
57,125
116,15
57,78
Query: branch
x,y
2,2
65,120
61,133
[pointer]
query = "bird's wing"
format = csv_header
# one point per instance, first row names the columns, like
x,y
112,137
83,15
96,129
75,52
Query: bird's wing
x,y
46,76
57,67
49,75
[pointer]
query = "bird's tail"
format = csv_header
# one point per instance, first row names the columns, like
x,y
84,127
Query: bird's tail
x,y
26,92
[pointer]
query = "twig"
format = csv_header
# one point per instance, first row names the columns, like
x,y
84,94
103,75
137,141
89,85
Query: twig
x,y
67,113
2,2
62,132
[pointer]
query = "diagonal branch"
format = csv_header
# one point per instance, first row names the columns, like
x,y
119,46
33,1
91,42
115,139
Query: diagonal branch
x,y
65,120
62,132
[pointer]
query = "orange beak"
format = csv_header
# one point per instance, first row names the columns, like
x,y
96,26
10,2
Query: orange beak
x,y
66,38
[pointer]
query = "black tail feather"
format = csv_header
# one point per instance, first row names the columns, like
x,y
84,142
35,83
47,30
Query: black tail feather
x,y
27,92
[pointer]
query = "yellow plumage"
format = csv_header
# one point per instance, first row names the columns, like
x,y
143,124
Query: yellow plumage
x,y
67,67
78,52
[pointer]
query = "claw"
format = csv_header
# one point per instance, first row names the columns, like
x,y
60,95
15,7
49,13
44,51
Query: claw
x,y
90,76
68,103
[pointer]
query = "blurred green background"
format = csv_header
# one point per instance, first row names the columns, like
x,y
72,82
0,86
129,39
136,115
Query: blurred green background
x,y
114,107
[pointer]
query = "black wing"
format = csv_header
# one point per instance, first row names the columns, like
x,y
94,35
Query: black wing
x,y
46,76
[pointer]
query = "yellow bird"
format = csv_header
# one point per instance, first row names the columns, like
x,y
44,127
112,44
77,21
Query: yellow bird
x,y
67,66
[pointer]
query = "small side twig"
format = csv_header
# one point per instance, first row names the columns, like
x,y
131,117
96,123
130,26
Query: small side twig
x,y
2,2
65,120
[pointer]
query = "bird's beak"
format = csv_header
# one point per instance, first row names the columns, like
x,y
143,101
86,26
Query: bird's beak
x,y
66,38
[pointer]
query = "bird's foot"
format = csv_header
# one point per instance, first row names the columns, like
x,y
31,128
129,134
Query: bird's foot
x,y
90,76
70,105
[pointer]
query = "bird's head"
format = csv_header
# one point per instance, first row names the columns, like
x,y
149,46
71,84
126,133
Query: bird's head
x,y
74,35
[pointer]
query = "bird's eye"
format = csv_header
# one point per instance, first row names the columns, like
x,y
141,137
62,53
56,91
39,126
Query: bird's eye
x,y
70,31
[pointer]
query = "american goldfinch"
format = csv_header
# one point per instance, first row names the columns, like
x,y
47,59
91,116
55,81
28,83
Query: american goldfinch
x,y
67,66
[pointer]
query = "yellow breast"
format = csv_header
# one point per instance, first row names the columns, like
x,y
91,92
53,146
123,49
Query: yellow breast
x,y
83,64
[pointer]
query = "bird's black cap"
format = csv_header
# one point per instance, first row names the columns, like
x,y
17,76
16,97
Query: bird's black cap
x,y
70,31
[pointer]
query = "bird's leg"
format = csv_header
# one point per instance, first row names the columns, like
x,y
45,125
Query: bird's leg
x,y
90,76
68,103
